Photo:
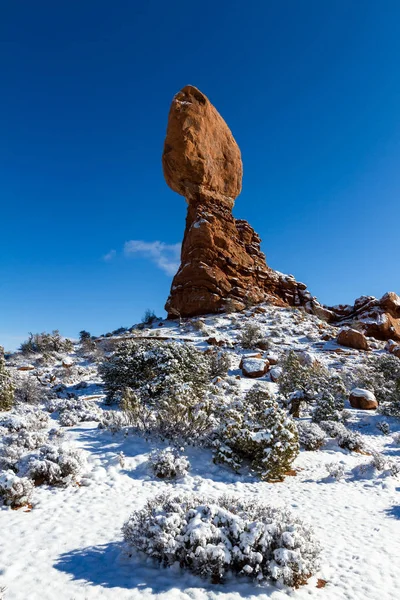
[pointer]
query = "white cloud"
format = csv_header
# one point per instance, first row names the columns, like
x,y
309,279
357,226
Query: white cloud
x,y
165,256
110,255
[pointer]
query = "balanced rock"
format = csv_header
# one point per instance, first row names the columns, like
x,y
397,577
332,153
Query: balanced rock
x,y
221,259
364,399
352,339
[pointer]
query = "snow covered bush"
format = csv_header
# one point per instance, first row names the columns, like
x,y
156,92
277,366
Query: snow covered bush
x,y
335,470
383,427
114,421
396,438
305,383
179,415
83,410
15,491
332,428
220,363
28,440
351,440
38,343
168,463
28,390
381,375
250,335
327,408
6,385
227,535
257,430
25,418
56,465
311,436
155,368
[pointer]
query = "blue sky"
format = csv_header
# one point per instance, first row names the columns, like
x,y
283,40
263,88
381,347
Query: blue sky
x,y
90,230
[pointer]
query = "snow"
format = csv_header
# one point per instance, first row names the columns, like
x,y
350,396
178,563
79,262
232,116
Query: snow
x,y
361,393
69,544
252,365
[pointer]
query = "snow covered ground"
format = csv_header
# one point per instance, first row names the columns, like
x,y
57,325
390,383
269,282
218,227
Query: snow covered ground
x,y
68,546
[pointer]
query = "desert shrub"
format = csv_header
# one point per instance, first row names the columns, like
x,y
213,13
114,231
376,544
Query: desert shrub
x,y
6,384
28,390
220,363
250,335
396,438
10,454
28,418
381,375
28,440
149,317
332,428
114,421
39,343
178,415
155,368
87,343
213,538
335,470
15,491
311,436
257,430
379,461
201,327
83,410
56,465
168,463
302,383
351,440
383,427
326,408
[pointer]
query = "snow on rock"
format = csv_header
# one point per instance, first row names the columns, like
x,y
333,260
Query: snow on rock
x,y
254,367
352,339
364,399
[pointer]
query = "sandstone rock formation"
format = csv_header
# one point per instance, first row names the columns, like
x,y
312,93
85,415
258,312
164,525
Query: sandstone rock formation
x,y
378,318
221,261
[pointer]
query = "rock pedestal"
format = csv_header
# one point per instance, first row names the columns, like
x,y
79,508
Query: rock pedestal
x,y
221,260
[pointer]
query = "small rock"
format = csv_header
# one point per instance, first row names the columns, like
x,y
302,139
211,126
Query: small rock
x,y
67,363
273,359
364,399
254,367
214,342
26,368
275,373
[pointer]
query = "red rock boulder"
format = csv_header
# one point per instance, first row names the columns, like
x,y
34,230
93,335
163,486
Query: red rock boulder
x,y
363,399
352,339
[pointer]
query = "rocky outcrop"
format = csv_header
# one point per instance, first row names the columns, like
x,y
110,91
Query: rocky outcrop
x,y
222,265
221,260
377,318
